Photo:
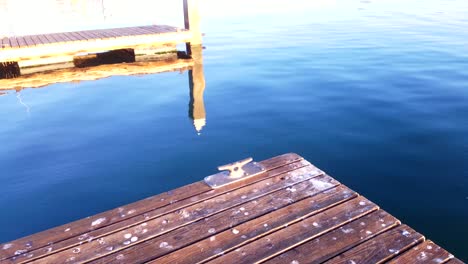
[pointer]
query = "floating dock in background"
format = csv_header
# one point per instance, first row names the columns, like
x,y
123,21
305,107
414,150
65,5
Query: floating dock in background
x,y
285,211
19,53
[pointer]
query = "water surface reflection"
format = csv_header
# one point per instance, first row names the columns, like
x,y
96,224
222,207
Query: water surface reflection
x,y
106,66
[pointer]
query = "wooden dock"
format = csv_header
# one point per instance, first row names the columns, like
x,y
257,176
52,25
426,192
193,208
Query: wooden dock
x,y
287,211
21,52
70,43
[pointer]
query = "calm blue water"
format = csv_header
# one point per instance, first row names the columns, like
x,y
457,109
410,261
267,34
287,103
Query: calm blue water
x,y
376,94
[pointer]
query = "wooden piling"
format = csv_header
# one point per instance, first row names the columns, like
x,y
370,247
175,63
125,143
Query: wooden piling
x,y
192,20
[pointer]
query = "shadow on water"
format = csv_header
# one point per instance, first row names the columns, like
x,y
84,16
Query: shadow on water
x,y
114,63
110,57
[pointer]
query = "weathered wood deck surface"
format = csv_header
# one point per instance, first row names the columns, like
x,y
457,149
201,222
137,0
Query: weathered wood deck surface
x,y
291,213
70,43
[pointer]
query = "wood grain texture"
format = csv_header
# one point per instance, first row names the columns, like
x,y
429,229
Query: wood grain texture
x,y
4,43
455,261
339,240
22,42
69,235
161,221
427,252
299,233
248,213
43,39
29,41
226,241
14,42
382,247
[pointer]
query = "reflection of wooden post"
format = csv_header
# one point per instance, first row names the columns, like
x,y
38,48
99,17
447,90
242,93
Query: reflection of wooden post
x,y
197,87
192,20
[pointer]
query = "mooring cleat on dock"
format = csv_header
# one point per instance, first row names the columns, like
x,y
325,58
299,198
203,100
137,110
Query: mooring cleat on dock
x,y
234,172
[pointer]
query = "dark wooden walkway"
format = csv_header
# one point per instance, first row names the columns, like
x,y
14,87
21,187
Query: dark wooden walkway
x,y
291,213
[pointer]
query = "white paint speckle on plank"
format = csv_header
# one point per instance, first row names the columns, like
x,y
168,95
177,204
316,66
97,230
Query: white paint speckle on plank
x,y
7,246
98,221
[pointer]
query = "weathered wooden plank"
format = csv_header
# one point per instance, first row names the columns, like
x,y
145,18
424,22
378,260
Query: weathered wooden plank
x,y
157,30
120,32
166,222
21,42
138,32
49,38
151,29
55,38
455,261
73,37
131,31
114,32
94,34
4,43
221,222
147,31
163,29
226,241
339,240
29,41
14,42
123,32
61,37
43,39
82,36
299,233
104,34
381,248
86,35
37,40
66,235
66,37
427,252
126,32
